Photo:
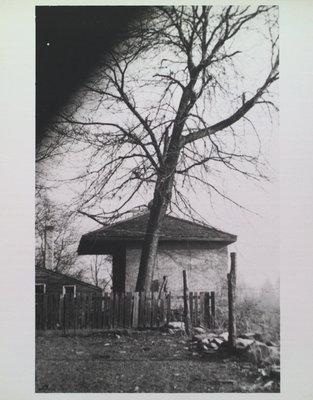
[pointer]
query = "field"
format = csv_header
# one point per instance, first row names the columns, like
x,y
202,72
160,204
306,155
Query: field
x,y
144,362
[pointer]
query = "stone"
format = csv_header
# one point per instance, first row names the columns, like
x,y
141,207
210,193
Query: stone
x,y
268,385
218,341
248,335
224,336
251,336
199,330
261,354
214,346
204,336
258,337
176,325
242,343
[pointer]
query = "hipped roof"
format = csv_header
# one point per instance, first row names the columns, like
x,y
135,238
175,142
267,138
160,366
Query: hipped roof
x,y
133,229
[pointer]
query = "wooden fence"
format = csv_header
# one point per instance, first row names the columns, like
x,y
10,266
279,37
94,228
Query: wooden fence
x,y
119,310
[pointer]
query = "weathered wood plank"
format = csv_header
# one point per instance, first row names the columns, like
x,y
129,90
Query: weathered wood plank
x,y
111,310
154,314
141,311
135,310
201,309
45,311
87,309
207,310
116,307
168,307
187,319
67,303
212,310
147,319
121,316
76,307
161,310
191,307
231,278
128,309
105,315
196,308
83,312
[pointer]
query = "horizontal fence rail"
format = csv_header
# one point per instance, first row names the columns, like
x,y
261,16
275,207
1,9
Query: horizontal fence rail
x,y
119,310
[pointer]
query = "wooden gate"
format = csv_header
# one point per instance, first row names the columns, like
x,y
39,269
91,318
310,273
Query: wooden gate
x,y
118,310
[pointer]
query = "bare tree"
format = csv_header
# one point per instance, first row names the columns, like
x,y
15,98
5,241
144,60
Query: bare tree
x,y
101,272
50,214
169,107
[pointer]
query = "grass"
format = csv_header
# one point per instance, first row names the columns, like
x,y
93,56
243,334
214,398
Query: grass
x,y
144,362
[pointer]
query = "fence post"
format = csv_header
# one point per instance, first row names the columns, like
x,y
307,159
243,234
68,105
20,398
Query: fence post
x,y
45,311
212,310
231,278
64,313
188,326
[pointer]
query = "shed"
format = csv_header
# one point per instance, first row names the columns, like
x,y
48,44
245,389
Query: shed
x,y
199,249
48,281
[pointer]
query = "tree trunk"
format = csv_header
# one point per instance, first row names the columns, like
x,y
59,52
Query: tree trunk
x,y
161,200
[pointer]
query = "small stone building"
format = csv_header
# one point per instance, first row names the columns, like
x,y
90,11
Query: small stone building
x,y
199,249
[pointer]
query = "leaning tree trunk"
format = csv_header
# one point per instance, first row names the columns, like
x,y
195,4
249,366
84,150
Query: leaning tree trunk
x,y
161,200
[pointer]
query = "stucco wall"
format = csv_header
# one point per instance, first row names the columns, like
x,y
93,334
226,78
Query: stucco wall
x,y
205,264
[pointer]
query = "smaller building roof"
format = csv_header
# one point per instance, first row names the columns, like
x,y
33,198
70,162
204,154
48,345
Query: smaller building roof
x,y
61,277
133,229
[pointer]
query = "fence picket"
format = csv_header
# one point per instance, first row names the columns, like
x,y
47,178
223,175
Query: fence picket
x,y
128,309
147,322
161,310
207,310
135,310
111,310
115,308
213,309
121,311
154,317
191,309
141,318
201,309
168,307
196,309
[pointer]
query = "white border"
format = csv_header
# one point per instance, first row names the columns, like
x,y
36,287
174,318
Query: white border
x,y
17,71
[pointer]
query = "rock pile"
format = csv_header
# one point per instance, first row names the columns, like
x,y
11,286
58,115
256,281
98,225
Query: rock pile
x,y
262,359
249,347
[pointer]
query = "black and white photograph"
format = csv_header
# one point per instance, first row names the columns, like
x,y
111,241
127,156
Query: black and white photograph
x,y
156,136
155,257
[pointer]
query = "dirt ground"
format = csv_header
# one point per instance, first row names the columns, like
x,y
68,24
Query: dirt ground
x,y
144,362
